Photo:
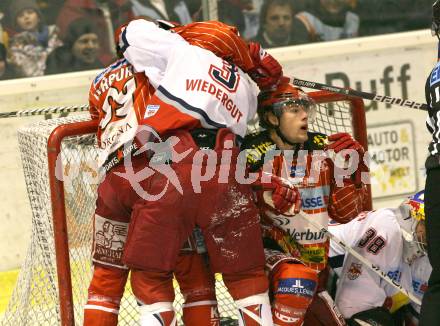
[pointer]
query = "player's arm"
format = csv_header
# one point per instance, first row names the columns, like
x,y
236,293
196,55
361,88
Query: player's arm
x,y
148,48
224,41
219,38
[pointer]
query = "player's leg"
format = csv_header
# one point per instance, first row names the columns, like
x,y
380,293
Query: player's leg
x,y
159,227
323,310
109,234
155,294
230,223
151,252
249,291
197,285
292,285
104,296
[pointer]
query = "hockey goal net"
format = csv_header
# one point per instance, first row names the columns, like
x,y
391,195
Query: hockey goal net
x,y
52,285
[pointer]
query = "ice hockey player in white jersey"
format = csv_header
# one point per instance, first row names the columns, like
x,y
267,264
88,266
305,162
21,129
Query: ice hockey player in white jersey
x,y
393,240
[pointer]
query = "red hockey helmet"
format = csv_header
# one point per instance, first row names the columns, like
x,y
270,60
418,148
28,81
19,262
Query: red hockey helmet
x,y
282,98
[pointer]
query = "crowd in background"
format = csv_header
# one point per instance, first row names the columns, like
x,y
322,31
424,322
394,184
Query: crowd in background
x,y
42,37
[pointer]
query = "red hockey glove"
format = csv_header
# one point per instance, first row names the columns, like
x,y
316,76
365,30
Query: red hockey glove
x,y
284,195
267,71
342,141
346,203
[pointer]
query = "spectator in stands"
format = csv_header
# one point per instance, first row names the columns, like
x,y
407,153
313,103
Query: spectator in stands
x,y
34,41
328,20
4,69
278,25
195,9
106,15
50,9
174,10
231,12
80,50
381,16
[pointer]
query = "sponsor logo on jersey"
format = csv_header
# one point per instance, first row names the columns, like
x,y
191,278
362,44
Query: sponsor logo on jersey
x,y
395,275
114,135
314,202
255,154
320,140
280,220
297,286
419,286
354,271
315,255
305,235
110,237
151,110
314,198
297,171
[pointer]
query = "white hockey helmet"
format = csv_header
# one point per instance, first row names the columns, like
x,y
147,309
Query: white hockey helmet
x,y
412,224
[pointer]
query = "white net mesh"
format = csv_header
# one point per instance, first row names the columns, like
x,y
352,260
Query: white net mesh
x,y
35,300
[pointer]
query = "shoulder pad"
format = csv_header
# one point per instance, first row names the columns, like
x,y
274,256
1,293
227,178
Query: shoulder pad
x,y
316,140
256,145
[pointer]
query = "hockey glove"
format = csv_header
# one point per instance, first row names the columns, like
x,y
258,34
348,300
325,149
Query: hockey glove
x,y
267,71
283,196
342,141
346,202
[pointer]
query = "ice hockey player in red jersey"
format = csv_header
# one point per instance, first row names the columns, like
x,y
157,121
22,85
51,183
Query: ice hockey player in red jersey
x,y
296,252
120,99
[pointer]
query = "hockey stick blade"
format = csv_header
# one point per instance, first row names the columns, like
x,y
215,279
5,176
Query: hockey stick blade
x,y
41,111
367,96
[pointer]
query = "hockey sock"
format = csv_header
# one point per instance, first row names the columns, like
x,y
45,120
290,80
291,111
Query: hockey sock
x,y
100,315
254,310
158,314
105,292
201,313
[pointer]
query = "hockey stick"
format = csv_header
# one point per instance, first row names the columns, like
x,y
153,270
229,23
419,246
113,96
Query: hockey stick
x,y
363,260
376,269
41,111
364,95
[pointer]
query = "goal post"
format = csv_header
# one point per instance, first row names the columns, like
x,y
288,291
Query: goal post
x,y
59,211
60,166
332,118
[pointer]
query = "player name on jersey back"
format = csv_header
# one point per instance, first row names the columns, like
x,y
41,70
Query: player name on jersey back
x,y
200,85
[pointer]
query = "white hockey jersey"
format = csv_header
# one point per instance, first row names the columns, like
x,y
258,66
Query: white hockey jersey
x,y
415,277
376,236
194,88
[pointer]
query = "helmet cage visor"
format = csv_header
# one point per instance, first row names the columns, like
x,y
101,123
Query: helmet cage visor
x,y
412,226
295,106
